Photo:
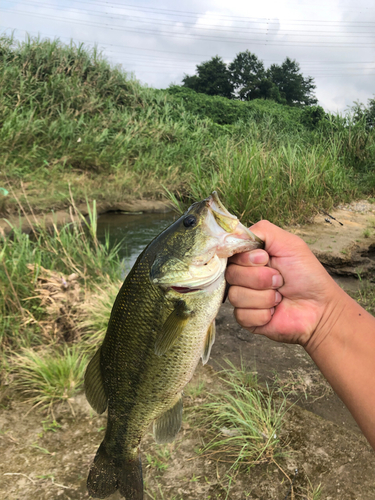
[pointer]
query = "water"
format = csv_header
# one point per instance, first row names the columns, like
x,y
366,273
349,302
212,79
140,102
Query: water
x,y
135,231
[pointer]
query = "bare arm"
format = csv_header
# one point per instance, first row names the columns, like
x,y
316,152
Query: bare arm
x,y
294,300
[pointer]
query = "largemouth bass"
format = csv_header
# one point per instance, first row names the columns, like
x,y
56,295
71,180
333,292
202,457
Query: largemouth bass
x,y
162,323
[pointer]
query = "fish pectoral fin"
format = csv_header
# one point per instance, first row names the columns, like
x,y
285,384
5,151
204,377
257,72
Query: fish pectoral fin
x,y
172,328
210,339
94,387
168,424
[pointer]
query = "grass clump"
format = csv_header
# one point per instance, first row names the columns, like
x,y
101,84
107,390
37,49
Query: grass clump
x,y
36,266
243,421
48,377
95,312
365,296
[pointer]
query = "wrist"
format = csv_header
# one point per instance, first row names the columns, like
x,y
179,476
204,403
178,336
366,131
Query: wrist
x,y
332,316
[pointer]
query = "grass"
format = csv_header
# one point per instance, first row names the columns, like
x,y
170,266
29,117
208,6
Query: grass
x,y
95,311
70,119
46,278
365,296
243,422
47,377
71,250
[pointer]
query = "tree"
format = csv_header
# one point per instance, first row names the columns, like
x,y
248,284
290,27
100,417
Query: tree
x,y
248,76
293,87
360,112
213,78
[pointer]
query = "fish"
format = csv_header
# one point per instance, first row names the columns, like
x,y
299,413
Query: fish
x,y
162,323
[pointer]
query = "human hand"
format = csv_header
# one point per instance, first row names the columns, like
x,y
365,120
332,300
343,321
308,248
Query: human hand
x,y
284,292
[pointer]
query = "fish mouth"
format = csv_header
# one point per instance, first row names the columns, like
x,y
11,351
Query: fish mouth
x,y
232,236
202,277
225,237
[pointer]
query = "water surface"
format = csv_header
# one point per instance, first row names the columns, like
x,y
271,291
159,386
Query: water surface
x,y
135,231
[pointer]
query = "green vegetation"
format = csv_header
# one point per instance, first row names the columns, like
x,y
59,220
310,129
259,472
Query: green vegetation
x,y
48,377
32,267
47,280
245,78
69,118
243,421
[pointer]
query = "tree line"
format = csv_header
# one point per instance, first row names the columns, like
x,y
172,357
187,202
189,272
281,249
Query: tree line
x,y
246,78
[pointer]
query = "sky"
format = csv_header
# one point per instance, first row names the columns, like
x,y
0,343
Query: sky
x,y
159,42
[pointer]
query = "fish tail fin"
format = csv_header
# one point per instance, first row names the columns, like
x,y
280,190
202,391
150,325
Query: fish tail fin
x,y
107,475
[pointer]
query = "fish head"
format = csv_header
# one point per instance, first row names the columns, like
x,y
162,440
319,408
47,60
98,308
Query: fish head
x,y
193,251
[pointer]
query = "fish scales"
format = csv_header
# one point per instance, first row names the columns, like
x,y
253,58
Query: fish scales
x,y
161,324
156,380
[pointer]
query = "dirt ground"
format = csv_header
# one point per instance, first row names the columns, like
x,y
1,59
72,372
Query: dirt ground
x,y
46,460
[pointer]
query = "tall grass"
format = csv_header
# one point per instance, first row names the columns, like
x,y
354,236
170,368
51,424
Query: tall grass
x,y
67,115
46,277
74,248
281,182
243,421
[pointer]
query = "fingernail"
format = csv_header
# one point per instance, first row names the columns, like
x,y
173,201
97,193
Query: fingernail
x,y
277,281
277,297
258,257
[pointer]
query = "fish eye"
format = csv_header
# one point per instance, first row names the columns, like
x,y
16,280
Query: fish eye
x,y
190,221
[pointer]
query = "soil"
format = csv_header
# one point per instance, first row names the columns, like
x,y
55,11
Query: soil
x,y
46,461
344,241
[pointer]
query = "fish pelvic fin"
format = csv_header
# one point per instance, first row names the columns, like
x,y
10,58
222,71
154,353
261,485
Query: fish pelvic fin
x,y
169,423
108,475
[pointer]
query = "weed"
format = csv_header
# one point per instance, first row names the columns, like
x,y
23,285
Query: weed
x,y
367,233
39,272
194,389
95,311
71,118
156,463
47,377
365,296
243,422
50,425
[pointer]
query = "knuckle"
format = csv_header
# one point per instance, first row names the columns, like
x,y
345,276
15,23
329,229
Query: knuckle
x,y
233,295
241,316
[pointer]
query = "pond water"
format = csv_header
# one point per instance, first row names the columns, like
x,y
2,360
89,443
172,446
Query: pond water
x,y
134,231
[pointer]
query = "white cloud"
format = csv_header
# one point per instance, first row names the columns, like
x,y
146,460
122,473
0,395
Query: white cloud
x,y
334,42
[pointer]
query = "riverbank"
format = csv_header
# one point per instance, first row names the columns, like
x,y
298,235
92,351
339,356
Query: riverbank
x,y
73,125
55,309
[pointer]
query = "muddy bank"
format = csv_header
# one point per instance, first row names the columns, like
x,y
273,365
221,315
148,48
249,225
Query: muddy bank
x,y
61,217
51,461
345,242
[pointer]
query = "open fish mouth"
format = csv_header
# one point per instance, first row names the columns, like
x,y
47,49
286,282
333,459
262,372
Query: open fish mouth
x,y
234,237
225,237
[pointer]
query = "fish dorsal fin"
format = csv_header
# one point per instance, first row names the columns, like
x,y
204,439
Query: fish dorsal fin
x,y
168,424
94,387
210,339
172,328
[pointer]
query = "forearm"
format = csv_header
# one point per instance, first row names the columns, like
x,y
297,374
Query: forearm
x,y
345,353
